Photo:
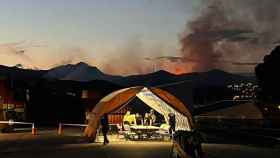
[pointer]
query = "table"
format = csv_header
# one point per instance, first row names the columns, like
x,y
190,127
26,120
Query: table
x,y
142,130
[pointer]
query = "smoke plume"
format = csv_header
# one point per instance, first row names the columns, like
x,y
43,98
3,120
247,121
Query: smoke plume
x,y
227,33
130,58
73,55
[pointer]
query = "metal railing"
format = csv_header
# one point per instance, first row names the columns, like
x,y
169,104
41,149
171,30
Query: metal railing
x,y
10,122
60,126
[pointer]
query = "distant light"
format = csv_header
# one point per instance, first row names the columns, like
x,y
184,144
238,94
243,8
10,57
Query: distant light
x,y
11,122
279,107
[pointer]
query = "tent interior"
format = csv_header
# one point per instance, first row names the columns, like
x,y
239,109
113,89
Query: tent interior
x,y
137,106
160,101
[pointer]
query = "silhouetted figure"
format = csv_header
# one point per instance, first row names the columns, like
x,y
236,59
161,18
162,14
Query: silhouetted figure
x,y
147,119
139,119
268,77
105,127
172,123
153,117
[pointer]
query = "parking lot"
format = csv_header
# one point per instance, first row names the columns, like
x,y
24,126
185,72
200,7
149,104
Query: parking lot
x,y
72,145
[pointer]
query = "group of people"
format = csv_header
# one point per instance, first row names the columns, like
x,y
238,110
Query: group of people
x,y
137,119
150,118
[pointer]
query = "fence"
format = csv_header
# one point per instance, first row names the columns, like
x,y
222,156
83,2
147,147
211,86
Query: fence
x,y
60,127
33,129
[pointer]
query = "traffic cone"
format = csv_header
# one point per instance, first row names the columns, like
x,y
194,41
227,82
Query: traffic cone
x,y
34,131
59,132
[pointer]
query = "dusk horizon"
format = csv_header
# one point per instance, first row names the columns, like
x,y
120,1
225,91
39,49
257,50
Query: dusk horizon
x,y
139,78
102,33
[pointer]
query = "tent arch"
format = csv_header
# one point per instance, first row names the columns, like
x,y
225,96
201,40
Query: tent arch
x,y
166,101
174,102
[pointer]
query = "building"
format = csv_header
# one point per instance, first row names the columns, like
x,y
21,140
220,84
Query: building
x,y
12,105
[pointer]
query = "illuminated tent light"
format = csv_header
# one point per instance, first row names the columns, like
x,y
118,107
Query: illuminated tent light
x,y
158,99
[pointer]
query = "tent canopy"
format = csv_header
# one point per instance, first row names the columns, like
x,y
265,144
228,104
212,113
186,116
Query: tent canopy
x,y
158,99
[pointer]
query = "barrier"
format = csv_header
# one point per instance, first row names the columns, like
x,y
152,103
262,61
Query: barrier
x,y
60,127
34,130
10,122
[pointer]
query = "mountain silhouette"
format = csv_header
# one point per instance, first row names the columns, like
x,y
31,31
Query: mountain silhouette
x,y
82,72
78,72
57,82
16,73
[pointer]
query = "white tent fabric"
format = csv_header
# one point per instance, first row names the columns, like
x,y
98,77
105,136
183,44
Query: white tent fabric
x,y
158,99
149,98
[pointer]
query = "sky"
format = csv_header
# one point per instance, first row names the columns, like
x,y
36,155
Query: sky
x,y
55,32
139,36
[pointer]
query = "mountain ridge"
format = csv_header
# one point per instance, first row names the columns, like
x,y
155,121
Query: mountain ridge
x,y
83,72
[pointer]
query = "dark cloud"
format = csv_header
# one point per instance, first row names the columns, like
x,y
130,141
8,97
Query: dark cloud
x,y
15,49
170,58
222,61
245,63
217,35
277,42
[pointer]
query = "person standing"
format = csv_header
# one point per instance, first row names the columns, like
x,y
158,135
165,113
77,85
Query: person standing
x,y
139,119
152,117
147,119
172,123
105,127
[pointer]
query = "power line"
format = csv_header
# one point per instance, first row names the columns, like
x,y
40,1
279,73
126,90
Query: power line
x,y
173,83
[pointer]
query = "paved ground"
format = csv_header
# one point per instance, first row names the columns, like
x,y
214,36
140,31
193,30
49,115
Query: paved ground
x,y
239,151
48,145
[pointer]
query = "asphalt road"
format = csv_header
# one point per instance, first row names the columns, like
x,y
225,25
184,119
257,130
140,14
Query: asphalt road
x,y
48,144
239,151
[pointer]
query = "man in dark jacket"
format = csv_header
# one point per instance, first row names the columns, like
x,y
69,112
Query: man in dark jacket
x,y
172,123
105,127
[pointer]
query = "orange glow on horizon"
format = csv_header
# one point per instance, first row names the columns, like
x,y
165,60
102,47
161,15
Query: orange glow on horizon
x,y
179,71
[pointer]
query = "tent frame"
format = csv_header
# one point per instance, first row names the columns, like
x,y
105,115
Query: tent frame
x,y
112,98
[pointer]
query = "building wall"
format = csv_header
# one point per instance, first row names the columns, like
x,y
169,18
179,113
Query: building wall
x,y
10,108
117,117
2,94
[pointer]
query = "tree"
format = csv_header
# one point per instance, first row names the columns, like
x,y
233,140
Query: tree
x,y
268,76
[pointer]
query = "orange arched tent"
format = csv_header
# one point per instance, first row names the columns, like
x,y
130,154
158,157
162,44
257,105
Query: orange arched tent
x,y
158,99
